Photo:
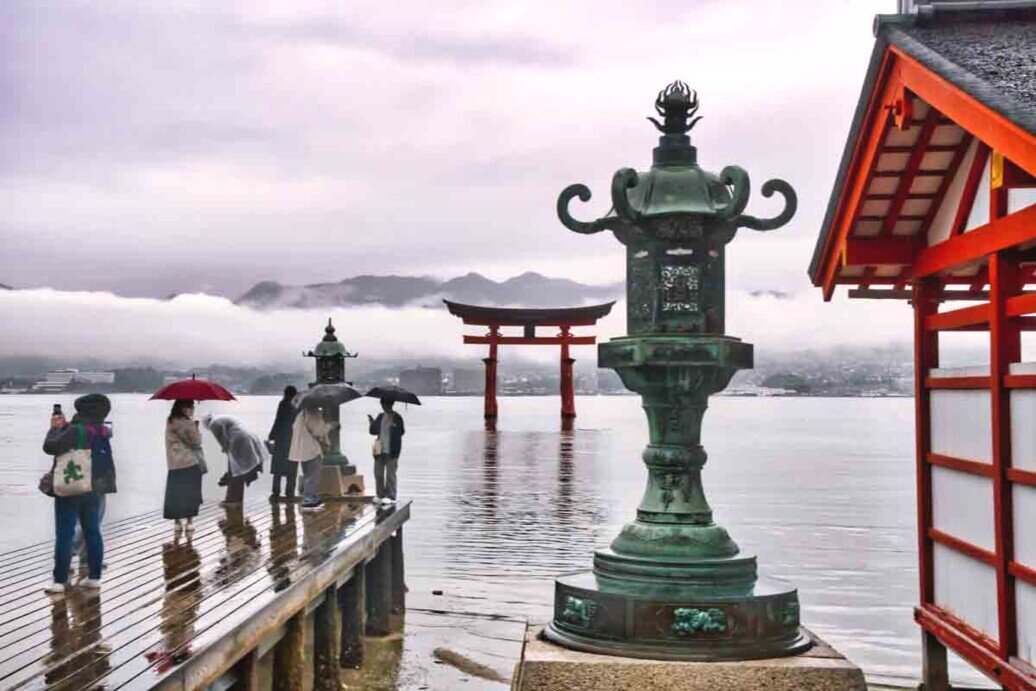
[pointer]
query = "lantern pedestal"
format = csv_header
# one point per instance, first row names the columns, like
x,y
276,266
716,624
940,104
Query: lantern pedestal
x,y
338,481
545,666
673,584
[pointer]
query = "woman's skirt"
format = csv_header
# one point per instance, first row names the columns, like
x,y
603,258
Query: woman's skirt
x,y
182,493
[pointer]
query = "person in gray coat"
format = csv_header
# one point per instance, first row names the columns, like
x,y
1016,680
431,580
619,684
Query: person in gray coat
x,y
389,430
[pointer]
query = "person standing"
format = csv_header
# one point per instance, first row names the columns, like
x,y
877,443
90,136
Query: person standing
x,y
185,461
280,435
309,441
80,502
389,429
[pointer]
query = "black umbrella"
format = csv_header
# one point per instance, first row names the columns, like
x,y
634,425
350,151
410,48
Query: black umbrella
x,y
394,393
324,396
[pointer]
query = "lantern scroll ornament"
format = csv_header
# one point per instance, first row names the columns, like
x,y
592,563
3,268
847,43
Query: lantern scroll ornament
x,y
673,579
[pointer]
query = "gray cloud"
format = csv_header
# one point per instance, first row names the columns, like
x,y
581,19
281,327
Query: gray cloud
x,y
195,147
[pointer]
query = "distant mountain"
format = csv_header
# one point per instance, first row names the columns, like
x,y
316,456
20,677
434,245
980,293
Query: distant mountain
x,y
4,286
528,290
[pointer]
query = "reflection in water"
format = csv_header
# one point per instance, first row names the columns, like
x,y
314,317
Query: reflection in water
x,y
524,504
181,565
284,537
75,625
242,552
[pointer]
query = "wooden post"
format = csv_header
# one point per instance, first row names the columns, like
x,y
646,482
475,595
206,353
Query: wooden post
x,y
289,662
352,602
490,411
935,675
568,395
379,592
327,635
255,672
398,573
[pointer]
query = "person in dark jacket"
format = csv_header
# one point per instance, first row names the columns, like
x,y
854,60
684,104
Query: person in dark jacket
x,y
388,428
84,509
280,435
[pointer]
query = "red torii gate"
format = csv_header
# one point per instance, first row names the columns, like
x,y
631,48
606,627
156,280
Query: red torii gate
x,y
529,318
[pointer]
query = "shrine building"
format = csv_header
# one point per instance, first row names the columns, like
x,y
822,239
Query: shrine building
x,y
934,203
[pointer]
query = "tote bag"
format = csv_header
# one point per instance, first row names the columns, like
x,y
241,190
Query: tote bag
x,y
72,469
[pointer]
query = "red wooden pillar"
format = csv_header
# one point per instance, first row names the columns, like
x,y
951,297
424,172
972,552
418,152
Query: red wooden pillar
x,y
490,409
1005,348
568,394
925,300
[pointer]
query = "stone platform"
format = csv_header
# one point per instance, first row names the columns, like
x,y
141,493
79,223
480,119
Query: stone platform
x,y
545,666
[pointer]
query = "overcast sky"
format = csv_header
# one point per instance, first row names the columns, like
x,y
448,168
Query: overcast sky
x,y
157,147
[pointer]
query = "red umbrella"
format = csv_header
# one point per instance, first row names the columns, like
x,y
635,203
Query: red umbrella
x,y
193,389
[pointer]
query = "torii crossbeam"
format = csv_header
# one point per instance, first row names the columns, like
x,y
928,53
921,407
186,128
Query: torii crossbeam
x,y
529,319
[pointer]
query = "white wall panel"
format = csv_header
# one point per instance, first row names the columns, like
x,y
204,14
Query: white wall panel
x,y
1023,429
961,421
940,228
962,505
1025,597
967,588
1024,508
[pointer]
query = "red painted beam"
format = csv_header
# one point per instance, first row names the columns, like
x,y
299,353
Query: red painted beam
x,y
975,647
1020,381
1022,477
877,251
964,466
910,172
538,340
1000,234
1023,573
958,318
956,382
963,546
926,356
1021,304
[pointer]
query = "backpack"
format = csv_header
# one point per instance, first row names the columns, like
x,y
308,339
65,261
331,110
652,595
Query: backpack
x,y
73,470
103,471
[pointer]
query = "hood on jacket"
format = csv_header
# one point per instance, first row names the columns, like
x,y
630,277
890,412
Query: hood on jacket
x,y
93,407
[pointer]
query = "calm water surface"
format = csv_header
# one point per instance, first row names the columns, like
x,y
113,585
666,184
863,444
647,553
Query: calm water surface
x,y
822,490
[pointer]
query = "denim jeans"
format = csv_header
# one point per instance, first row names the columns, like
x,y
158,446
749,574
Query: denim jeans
x,y
85,510
78,544
311,480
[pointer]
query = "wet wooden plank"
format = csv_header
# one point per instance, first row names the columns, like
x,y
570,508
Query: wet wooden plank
x,y
169,609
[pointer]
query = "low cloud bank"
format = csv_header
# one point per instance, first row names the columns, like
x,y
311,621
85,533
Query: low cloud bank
x,y
193,329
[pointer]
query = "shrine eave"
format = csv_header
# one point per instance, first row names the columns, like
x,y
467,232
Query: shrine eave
x,y
481,315
982,56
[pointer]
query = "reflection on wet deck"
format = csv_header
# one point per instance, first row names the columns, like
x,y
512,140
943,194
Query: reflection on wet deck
x,y
175,611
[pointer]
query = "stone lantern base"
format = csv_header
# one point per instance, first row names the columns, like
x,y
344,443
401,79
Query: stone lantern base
x,y
546,666
655,619
339,482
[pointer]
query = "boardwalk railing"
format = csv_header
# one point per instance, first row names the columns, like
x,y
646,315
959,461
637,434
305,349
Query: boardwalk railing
x,y
260,598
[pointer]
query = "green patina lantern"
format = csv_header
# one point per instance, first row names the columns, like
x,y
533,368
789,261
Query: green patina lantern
x,y
673,584
330,355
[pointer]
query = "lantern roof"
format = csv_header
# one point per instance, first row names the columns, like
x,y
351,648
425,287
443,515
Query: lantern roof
x,y
676,199
329,345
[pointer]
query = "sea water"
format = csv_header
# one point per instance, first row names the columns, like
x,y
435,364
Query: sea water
x,y
821,490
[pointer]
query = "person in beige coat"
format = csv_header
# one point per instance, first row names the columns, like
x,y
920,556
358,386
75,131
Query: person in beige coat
x,y
309,441
185,461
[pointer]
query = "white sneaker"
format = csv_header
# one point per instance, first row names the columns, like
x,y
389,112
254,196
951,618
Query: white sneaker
x,y
91,583
55,589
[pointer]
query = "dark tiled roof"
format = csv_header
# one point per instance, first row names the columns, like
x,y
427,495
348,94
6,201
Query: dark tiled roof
x,y
993,61
510,316
988,54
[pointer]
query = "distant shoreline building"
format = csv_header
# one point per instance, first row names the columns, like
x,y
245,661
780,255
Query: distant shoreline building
x,y
423,381
470,381
59,380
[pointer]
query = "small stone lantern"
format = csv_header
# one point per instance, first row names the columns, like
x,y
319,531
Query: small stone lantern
x,y
673,584
330,355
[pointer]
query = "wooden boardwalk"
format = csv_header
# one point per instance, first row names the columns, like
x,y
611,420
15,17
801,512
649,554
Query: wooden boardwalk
x,y
178,613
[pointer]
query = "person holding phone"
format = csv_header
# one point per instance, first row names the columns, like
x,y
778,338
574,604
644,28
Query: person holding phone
x,y
388,428
86,433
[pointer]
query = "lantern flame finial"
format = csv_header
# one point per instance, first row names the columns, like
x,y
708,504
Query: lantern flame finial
x,y
677,104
